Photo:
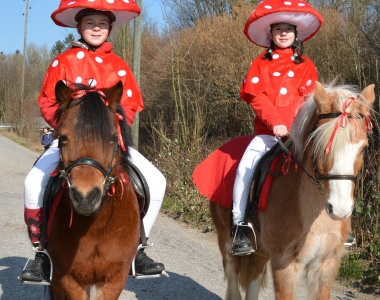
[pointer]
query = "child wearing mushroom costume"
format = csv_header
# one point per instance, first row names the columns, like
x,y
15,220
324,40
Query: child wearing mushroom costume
x,y
275,87
90,61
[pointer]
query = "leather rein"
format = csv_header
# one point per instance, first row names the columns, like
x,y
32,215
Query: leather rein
x,y
108,179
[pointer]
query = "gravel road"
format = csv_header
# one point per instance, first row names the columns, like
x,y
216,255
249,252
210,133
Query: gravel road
x,y
191,258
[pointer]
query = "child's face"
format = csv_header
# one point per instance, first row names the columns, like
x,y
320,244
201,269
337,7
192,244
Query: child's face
x,y
94,29
283,35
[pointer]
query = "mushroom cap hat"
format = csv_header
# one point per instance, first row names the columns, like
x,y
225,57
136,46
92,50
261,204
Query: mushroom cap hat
x,y
123,10
297,12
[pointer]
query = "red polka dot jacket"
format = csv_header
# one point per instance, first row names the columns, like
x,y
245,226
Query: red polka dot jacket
x,y
276,89
101,68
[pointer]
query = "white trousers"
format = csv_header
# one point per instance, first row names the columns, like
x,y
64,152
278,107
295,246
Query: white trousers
x,y
256,149
38,177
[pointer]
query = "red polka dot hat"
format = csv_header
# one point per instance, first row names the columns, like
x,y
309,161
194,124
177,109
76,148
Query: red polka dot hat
x,y
297,12
124,10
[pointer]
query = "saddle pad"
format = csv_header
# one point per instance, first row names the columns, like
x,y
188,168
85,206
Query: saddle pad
x,y
215,176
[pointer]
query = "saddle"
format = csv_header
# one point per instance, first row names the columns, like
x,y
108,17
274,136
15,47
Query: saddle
x,y
139,183
260,175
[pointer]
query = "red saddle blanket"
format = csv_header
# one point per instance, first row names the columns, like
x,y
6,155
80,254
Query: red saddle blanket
x,y
215,176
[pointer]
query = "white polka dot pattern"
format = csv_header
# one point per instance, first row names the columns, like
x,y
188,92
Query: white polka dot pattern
x,y
275,56
255,79
308,83
78,79
283,91
276,74
80,54
71,3
92,82
291,74
122,73
129,93
55,63
268,7
126,1
110,1
91,0
288,3
98,59
301,4
292,58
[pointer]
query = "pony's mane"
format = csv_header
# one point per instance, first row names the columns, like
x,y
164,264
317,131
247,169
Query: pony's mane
x,y
322,134
94,122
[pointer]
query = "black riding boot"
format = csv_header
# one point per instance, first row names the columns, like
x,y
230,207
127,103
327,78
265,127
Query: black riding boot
x,y
241,243
146,266
39,270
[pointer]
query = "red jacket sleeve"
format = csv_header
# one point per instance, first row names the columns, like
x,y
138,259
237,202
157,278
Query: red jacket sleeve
x,y
265,110
46,100
131,100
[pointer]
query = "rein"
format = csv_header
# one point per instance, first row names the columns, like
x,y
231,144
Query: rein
x,y
344,116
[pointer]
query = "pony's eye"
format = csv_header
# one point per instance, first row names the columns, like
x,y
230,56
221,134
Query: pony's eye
x,y
115,138
63,138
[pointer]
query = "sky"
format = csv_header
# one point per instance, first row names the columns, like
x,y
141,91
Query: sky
x,y
41,29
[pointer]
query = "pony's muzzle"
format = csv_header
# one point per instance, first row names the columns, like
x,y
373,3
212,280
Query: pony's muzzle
x,y
338,213
87,204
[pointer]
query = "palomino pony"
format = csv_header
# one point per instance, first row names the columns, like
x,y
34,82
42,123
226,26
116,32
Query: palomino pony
x,y
96,226
306,224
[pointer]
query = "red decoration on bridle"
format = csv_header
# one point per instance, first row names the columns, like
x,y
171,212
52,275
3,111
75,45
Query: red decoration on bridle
x,y
81,93
343,121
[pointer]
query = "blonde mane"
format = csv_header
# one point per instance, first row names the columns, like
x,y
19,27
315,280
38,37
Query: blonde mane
x,y
322,134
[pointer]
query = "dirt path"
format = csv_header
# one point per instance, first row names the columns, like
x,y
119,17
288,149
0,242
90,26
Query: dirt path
x,y
191,258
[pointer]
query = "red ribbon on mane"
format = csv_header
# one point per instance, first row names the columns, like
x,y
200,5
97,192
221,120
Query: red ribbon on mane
x,y
342,121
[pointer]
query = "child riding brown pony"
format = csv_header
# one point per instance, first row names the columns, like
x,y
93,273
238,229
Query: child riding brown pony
x,y
96,227
307,219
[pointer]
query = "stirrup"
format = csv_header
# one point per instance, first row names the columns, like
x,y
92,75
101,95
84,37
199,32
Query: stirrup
x,y
43,282
140,276
243,253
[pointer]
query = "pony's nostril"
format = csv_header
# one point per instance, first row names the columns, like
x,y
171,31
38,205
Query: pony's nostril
x,y
330,209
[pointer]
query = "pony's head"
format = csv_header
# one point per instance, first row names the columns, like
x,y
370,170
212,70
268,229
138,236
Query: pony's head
x,y
89,139
330,134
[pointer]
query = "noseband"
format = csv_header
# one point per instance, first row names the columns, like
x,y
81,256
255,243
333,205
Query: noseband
x,y
108,179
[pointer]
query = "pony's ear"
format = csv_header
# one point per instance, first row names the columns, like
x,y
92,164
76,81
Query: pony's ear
x,y
321,98
369,94
63,94
113,95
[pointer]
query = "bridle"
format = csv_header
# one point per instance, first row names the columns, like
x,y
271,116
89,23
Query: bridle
x,y
108,179
318,178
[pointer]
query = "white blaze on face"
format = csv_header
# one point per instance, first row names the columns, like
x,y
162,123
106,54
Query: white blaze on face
x,y
341,190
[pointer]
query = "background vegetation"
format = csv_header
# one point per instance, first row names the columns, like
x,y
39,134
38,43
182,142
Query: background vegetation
x,y
191,72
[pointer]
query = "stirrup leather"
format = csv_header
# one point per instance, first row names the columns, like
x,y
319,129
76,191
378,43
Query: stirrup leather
x,y
140,276
43,282
242,253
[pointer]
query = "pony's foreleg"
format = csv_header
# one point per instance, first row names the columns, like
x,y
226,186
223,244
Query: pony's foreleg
x,y
231,269
320,281
285,276
69,289
252,273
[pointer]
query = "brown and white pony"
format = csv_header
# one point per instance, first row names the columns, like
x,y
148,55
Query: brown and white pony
x,y
95,230
305,225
